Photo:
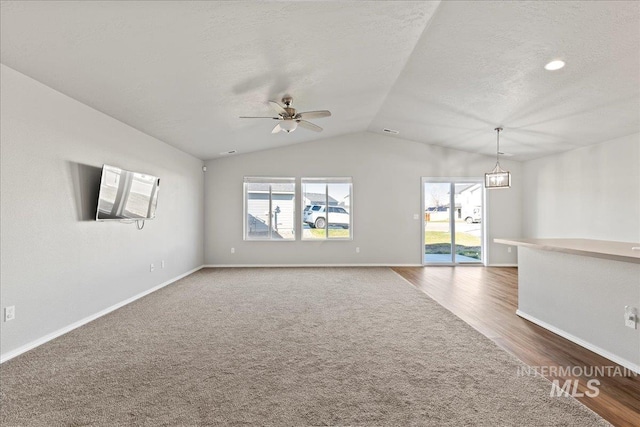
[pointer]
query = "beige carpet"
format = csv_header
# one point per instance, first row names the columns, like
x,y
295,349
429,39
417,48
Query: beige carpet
x,y
285,347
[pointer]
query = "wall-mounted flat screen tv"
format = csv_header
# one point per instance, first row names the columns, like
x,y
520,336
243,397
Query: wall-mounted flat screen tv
x,y
127,195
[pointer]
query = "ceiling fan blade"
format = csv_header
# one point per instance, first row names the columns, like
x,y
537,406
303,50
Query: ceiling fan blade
x,y
314,114
276,129
309,125
278,109
259,117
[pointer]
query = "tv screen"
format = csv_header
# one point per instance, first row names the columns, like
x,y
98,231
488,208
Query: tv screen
x,y
126,195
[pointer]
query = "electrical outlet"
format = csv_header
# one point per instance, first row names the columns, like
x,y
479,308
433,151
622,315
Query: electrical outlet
x,y
416,216
509,249
162,264
9,313
233,250
152,267
358,250
630,317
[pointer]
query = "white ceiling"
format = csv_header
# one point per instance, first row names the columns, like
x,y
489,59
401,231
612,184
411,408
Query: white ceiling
x,y
440,73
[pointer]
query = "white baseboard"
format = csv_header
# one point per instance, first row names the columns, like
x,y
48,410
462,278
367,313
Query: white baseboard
x,y
604,353
348,265
33,344
305,265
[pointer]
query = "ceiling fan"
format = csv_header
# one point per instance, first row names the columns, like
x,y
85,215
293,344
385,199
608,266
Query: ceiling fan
x,y
288,119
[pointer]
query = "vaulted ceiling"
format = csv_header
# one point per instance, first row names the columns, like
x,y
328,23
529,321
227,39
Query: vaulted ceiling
x,y
444,73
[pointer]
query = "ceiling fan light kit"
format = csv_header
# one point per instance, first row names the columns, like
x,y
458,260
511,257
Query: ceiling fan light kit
x,y
287,125
289,119
498,177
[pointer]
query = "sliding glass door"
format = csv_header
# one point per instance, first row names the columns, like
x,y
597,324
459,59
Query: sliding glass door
x,y
452,220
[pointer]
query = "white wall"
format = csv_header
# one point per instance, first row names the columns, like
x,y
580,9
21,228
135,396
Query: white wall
x,y
59,265
565,293
591,193
387,190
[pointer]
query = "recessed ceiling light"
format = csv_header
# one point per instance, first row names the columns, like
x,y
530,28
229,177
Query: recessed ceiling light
x,y
554,65
391,131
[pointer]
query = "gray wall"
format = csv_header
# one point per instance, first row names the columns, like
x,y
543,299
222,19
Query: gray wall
x,y
386,176
58,264
583,299
591,193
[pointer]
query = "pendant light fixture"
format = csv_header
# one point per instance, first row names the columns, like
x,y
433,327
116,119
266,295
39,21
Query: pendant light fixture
x,y
497,178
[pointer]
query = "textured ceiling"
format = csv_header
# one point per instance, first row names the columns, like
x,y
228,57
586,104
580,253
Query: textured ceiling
x,y
440,73
481,64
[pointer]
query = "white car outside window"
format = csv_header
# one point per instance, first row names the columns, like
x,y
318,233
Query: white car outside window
x,y
316,216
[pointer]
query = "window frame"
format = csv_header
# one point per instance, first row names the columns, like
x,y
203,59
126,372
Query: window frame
x,y
245,201
327,181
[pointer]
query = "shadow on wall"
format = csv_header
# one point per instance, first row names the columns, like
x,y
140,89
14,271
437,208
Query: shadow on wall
x,y
86,186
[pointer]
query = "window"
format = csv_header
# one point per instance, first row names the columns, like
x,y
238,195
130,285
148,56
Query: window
x,y
269,207
327,208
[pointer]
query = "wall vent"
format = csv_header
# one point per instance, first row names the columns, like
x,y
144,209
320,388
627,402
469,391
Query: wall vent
x,y
391,131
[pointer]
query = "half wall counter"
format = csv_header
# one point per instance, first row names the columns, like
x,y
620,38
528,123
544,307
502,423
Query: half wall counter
x,y
583,290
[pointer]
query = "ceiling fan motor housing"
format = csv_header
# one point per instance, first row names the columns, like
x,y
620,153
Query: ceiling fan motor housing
x,y
287,100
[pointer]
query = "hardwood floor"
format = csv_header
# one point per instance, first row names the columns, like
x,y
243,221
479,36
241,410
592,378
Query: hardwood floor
x,y
487,298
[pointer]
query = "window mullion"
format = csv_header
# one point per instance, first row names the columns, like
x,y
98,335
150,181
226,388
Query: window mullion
x,y
326,211
270,234
452,219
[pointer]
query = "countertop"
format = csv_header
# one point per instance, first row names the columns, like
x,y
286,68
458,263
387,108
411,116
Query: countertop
x,y
617,251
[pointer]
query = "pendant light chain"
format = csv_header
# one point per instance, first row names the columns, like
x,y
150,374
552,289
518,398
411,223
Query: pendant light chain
x,y
498,147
